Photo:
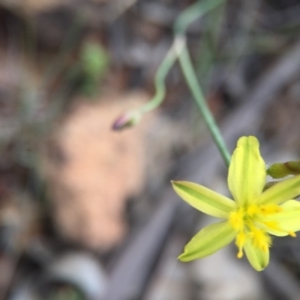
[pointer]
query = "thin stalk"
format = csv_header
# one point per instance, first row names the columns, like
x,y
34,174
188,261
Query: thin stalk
x,y
179,50
193,13
161,74
191,79
189,15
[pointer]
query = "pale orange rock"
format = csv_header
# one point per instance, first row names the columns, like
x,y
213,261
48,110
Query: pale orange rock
x,y
95,171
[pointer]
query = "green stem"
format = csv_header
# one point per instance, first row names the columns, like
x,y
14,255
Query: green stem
x,y
161,74
179,50
194,12
191,78
184,20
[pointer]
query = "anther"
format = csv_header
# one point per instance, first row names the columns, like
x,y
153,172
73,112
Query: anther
x,y
292,234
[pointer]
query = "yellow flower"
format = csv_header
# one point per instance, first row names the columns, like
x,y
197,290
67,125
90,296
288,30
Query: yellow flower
x,y
252,217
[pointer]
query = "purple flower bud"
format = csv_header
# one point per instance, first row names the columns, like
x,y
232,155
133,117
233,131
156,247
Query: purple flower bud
x,y
126,120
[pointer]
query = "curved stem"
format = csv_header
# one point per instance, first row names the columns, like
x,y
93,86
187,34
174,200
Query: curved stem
x,y
179,50
161,75
189,15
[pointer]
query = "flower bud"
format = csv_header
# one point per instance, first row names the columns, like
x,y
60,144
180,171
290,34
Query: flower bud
x,y
281,170
126,120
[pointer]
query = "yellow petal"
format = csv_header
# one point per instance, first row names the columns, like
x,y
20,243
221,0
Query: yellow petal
x,y
258,258
288,219
204,199
207,241
272,227
247,171
281,192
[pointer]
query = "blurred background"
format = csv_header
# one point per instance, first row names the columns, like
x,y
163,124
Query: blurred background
x,y
87,213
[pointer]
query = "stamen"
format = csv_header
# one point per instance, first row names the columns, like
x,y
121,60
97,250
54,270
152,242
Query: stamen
x,y
240,242
236,219
252,210
260,239
292,234
270,209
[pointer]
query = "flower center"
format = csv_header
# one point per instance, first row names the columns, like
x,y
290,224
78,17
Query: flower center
x,y
252,226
